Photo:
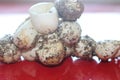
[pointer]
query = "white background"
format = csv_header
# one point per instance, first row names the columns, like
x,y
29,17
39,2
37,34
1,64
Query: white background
x,y
100,26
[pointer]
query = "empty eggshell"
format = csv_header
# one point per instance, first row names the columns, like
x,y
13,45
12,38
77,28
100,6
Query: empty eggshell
x,y
44,17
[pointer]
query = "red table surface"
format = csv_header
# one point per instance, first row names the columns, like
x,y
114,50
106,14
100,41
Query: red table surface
x,y
68,70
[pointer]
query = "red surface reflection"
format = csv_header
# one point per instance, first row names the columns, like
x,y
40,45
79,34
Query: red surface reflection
x,y
68,70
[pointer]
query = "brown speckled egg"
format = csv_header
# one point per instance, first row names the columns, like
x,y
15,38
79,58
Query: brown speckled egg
x,y
69,10
69,32
85,47
9,53
69,50
24,37
51,54
107,49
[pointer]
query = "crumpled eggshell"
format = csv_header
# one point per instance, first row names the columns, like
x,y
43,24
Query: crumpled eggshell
x,y
44,17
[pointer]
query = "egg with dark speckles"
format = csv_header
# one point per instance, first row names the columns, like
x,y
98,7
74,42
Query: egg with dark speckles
x,y
69,10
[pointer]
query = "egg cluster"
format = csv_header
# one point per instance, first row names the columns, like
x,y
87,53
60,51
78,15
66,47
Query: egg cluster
x,y
52,33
